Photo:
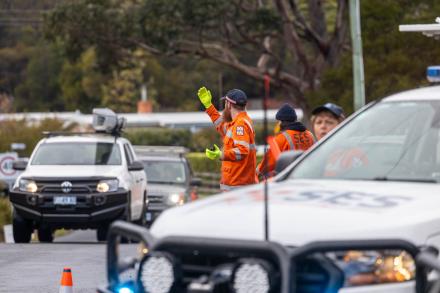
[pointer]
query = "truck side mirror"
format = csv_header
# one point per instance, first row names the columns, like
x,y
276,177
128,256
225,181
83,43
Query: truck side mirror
x,y
195,181
136,166
19,165
285,159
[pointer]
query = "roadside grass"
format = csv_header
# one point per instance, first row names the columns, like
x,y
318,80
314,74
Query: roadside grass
x,y
5,216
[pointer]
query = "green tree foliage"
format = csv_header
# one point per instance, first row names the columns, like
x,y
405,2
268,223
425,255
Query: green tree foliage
x,y
81,83
113,47
292,41
29,66
121,93
40,90
22,131
394,61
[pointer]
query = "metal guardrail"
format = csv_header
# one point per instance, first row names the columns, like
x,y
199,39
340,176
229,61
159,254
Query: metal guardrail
x,y
210,182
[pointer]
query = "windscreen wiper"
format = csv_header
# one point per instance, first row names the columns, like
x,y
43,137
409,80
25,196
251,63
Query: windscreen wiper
x,y
423,180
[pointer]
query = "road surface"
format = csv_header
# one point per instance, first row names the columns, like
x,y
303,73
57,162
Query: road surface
x,y
37,267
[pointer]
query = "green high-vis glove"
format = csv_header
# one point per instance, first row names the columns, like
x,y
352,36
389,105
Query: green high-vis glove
x,y
205,97
213,154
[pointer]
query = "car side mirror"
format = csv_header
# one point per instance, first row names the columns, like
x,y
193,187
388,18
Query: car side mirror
x,y
19,165
196,181
285,159
136,166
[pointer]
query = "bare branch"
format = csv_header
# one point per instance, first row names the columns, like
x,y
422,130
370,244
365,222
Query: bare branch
x,y
146,47
263,61
225,56
317,18
320,42
292,39
338,39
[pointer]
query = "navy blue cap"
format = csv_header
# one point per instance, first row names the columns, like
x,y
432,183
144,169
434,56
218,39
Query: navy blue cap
x,y
330,107
237,97
286,113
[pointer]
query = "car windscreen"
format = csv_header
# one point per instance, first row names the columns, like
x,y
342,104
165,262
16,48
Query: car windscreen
x,y
77,153
397,140
165,172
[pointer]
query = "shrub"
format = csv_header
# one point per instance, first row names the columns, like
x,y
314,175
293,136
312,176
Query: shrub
x,y
205,138
159,136
23,132
201,164
5,215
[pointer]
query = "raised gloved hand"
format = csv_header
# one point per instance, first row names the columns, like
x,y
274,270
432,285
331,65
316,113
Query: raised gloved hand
x,y
214,153
205,97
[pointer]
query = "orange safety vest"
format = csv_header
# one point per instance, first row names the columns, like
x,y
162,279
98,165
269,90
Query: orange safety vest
x,y
239,156
286,140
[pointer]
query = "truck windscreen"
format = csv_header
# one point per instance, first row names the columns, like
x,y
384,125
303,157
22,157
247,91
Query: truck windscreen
x,y
74,153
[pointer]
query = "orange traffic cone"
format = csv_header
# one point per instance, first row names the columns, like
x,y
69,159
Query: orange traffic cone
x,y
66,281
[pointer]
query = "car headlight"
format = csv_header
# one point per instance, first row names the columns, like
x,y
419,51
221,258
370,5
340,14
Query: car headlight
x,y
177,199
252,275
375,267
27,185
159,273
107,185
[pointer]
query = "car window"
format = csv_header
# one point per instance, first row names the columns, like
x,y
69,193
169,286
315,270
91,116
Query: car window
x,y
128,154
391,140
165,172
76,153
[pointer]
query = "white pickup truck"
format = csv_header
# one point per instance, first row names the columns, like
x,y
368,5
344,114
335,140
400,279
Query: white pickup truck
x,y
79,181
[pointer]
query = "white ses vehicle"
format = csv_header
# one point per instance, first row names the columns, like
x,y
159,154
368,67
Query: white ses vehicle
x,y
79,181
376,177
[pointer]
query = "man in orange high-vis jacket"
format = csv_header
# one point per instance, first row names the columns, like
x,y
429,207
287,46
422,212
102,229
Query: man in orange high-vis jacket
x,y
234,125
293,135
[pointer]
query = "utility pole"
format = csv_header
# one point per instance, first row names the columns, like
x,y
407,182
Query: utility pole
x,y
358,62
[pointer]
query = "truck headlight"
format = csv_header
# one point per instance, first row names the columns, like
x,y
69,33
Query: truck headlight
x,y
176,199
252,275
27,185
107,185
159,273
375,267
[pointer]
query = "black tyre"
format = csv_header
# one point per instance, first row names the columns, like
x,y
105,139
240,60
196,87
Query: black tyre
x,y
101,233
21,229
143,220
45,234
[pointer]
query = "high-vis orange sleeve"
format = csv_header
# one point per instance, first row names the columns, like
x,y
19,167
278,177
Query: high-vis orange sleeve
x,y
217,120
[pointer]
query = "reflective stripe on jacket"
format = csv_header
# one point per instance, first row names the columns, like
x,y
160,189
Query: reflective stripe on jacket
x,y
239,157
286,140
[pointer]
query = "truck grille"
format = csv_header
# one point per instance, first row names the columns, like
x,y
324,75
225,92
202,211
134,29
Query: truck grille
x,y
155,199
78,186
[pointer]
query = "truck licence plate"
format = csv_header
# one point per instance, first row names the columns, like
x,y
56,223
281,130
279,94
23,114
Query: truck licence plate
x,y
64,200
